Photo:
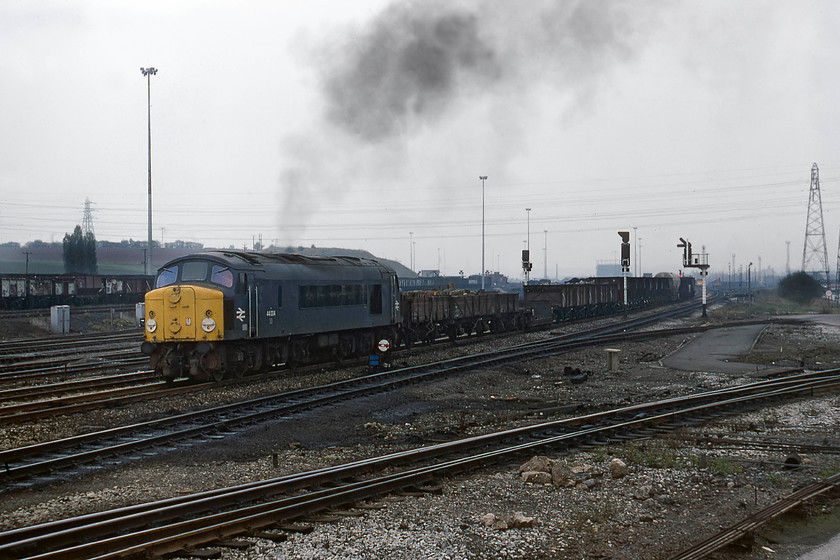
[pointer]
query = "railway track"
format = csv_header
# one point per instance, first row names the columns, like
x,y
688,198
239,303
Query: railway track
x,y
117,362
62,458
141,387
747,526
45,312
21,349
169,526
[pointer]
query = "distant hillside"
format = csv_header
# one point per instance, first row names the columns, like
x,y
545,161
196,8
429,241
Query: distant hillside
x,y
48,258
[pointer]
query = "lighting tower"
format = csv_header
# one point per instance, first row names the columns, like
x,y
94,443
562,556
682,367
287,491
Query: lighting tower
x,y
411,250
526,255
837,275
636,256
482,178
149,72
814,253
545,254
787,262
87,219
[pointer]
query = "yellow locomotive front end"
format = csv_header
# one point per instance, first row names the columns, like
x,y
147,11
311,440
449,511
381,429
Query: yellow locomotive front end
x,y
182,322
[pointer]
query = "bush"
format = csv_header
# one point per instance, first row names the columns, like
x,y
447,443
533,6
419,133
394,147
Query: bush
x,y
800,287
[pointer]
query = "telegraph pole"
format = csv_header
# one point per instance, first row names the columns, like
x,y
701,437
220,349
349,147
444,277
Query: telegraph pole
x,y
545,255
526,254
149,72
26,273
636,256
482,178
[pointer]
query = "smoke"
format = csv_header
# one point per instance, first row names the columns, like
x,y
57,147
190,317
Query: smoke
x,y
408,67
440,85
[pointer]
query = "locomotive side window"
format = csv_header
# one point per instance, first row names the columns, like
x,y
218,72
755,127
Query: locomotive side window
x,y
194,271
222,276
334,295
166,277
376,299
242,285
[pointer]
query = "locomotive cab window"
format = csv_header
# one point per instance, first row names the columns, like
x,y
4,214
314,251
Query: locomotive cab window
x,y
166,277
194,271
222,276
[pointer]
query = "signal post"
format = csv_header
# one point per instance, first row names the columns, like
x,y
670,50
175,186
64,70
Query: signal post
x,y
696,260
625,263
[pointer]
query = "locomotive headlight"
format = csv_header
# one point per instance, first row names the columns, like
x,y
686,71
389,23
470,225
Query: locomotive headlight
x,y
151,324
208,324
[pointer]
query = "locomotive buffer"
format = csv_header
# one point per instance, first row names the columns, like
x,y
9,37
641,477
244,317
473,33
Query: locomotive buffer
x,y
698,260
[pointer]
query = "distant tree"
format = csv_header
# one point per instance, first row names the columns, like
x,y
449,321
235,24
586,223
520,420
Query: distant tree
x,y
89,263
80,252
800,287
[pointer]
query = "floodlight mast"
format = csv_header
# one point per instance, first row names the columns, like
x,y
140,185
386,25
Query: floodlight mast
x,y
149,72
482,178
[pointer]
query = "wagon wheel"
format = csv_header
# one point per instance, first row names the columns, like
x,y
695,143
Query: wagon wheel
x,y
410,338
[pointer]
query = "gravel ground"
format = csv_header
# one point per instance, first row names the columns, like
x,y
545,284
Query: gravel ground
x,y
676,491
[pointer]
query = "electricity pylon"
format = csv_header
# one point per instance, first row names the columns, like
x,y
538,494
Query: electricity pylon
x,y
814,253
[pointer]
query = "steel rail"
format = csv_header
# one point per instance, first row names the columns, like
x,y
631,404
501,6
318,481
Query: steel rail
x,y
84,309
179,533
67,341
428,452
757,519
67,366
23,412
41,458
56,364
47,389
803,382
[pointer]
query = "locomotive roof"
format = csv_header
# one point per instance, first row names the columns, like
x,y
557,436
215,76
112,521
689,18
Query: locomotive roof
x,y
255,260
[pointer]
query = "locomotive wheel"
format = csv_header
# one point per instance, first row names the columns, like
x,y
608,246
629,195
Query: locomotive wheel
x,y
346,347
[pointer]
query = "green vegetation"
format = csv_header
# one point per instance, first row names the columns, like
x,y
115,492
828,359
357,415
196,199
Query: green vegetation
x,y
771,303
606,510
778,480
723,466
800,287
80,252
654,457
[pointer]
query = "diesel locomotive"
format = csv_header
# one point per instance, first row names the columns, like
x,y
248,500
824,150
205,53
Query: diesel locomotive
x,y
229,313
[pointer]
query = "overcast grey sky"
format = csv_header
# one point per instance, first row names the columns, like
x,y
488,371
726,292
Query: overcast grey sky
x,y
355,123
